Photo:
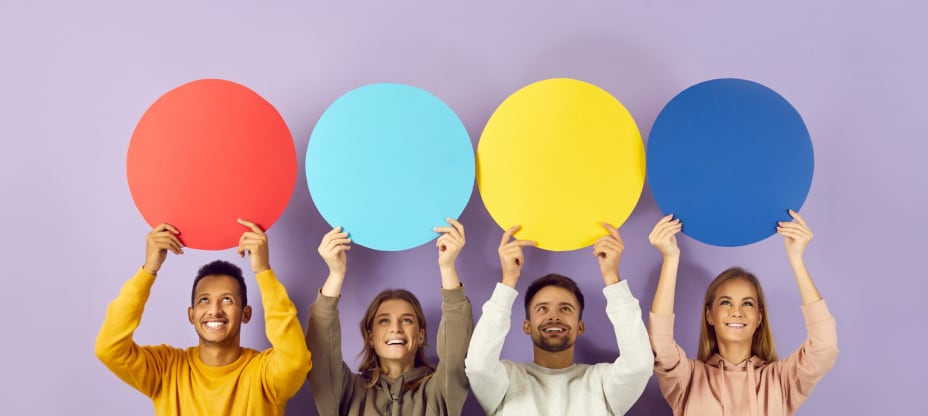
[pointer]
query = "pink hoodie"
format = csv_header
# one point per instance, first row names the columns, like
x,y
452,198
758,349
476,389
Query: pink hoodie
x,y
754,387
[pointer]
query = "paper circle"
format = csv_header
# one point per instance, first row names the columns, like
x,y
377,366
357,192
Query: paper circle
x,y
209,152
388,163
729,157
558,157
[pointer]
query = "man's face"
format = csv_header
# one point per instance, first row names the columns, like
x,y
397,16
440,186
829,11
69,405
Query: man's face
x,y
553,319
217,312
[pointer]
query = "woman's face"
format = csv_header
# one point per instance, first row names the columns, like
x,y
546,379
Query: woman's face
x,y
734,312
395,334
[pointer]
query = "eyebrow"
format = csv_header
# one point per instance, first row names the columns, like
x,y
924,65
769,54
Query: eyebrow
x,y
548,303
200,295
401,316
730,298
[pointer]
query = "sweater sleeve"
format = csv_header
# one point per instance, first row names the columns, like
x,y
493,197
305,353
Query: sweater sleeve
x,y
628,375
814,358
140,367
488,377
289,360
330,380
672,368
454,332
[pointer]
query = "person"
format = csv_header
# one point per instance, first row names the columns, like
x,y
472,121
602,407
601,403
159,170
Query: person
x,y
553,384
394,377
218,376
736,371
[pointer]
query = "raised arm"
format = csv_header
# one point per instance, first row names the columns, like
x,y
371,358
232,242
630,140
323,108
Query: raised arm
x,y
817,355
608,251
140,367
628,375
663,237
449,246
330,378
796,237
671,366
288,359
488,377
457,322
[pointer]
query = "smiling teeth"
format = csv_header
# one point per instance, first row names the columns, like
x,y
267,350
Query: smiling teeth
x,y
396,342
214,324
554,330
736,325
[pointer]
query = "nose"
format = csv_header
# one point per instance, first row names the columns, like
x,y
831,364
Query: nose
x,y
215,308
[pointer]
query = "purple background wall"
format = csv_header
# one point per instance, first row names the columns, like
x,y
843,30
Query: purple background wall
x,y
75,78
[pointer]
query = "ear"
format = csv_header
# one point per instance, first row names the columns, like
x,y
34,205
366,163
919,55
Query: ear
x,y
526,327
370,339
190,314
709,317
421,337
581,328
246,314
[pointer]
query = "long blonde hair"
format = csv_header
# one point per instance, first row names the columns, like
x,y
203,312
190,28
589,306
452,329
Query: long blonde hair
x,y
761,344
371,361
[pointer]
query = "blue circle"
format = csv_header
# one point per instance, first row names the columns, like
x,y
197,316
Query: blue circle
x,y
388,163
729,157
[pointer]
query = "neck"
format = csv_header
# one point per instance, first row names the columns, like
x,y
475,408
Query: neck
x,y
394,369
554,360
735,353
218,355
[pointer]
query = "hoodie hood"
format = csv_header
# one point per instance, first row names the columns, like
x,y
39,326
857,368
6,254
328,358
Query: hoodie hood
x,y
717,361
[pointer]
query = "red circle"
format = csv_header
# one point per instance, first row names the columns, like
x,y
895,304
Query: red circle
x,y
209,152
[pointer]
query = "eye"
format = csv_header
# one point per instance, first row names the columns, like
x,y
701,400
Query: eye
x,y
542,308
407,321
227,300
203,300
566,309
748,303
383,321
725,302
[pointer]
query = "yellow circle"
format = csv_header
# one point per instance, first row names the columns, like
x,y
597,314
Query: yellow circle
x,y
559,157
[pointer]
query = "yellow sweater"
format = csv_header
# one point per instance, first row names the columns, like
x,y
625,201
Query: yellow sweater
x,y
258,383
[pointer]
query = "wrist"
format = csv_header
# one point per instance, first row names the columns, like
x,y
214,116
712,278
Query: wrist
x,y
510,281
152,270
611,278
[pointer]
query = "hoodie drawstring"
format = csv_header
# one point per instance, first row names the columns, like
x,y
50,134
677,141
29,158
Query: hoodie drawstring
x,y
752,384
393,406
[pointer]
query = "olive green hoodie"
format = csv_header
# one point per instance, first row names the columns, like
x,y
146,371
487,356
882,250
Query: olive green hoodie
x,y
339,391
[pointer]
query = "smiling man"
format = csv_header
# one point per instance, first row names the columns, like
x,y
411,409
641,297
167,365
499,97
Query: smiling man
x,y
553,384
218,376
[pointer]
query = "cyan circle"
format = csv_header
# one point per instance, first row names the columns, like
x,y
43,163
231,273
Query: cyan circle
x,y
729,157
389,162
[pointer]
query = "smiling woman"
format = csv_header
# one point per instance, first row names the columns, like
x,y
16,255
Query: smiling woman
x,y
395,329
394,376
737,371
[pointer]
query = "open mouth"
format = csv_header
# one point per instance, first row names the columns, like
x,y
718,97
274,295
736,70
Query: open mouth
x,y
735,325
214,325
554,330
396,342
